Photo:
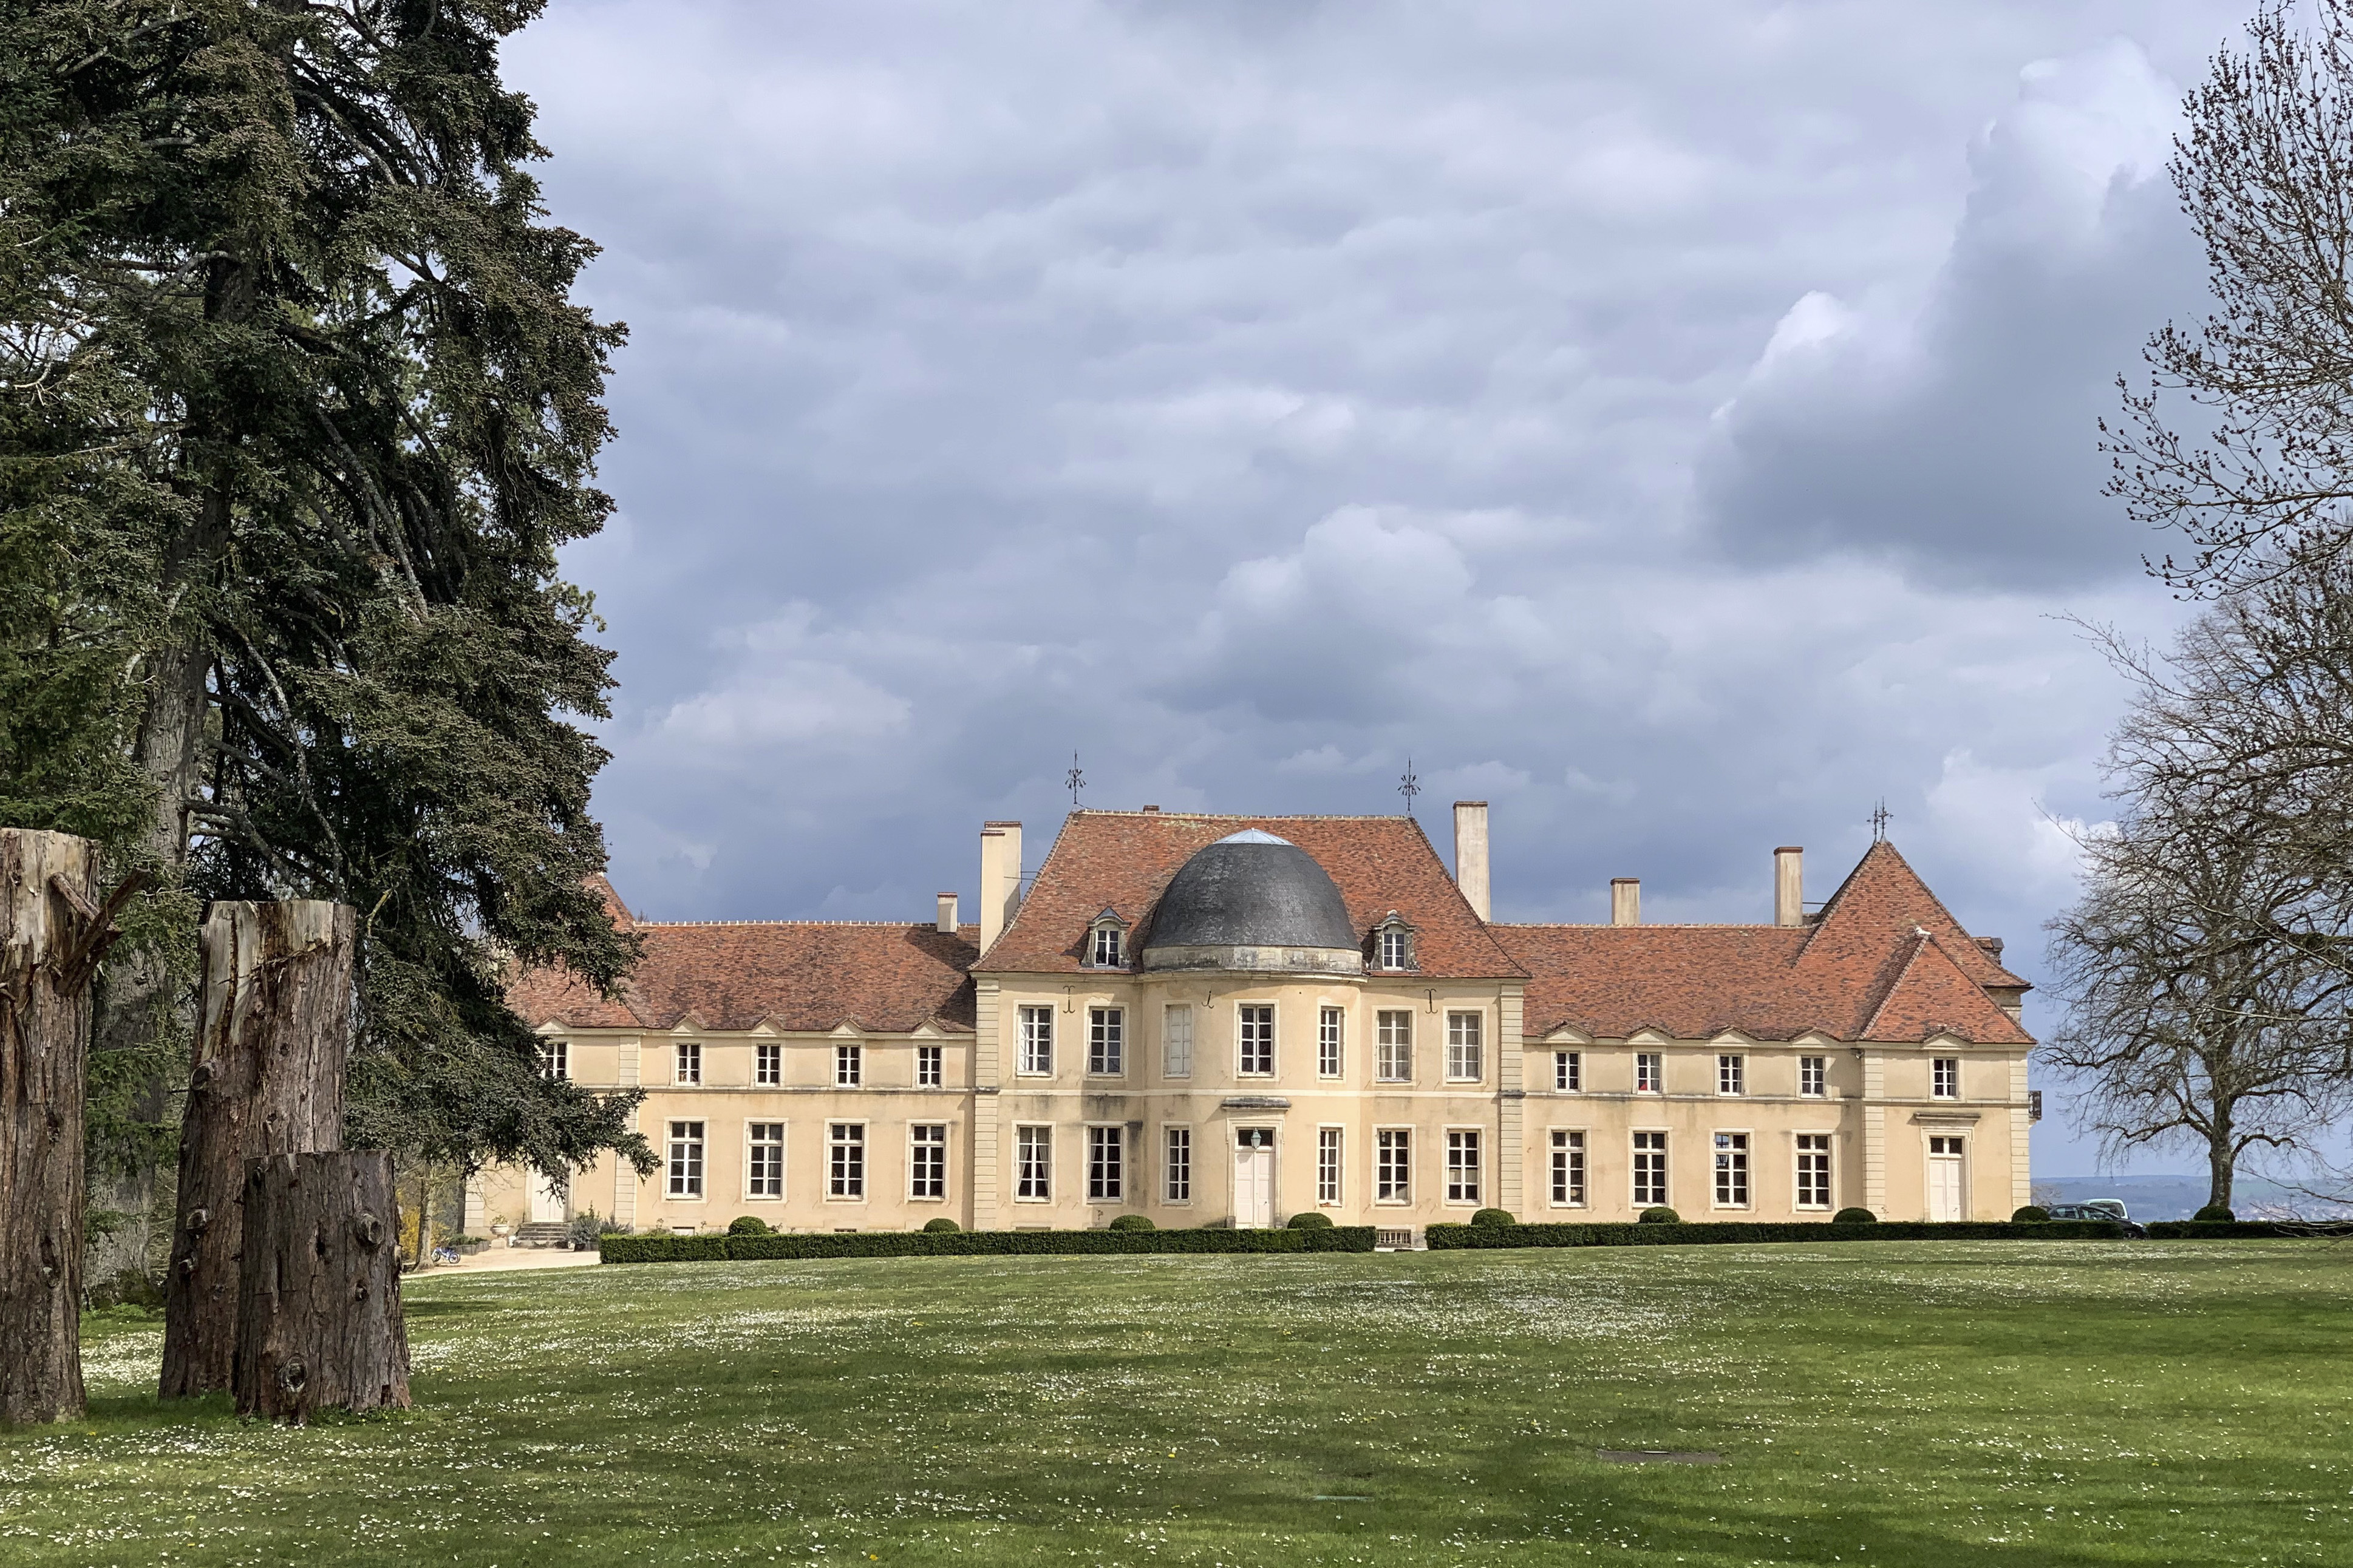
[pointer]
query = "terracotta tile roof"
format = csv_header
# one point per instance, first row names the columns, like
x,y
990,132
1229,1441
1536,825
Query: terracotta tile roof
x,y
794,975
1122,860
1885,961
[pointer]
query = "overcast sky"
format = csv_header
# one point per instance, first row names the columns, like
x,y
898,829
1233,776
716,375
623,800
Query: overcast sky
x,y
1674,424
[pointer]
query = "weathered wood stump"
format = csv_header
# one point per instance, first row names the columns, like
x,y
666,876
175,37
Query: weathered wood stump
x,y
52,935
273,1035
317,1311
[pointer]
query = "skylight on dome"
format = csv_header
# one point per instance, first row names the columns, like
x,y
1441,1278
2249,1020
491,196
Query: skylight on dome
x,y
1254,836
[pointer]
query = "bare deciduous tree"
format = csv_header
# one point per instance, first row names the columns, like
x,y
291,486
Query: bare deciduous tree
x,y
2187,1018
2264,169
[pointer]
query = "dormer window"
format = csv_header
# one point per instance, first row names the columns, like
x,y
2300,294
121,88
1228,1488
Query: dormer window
x,y
1393,944
1107,942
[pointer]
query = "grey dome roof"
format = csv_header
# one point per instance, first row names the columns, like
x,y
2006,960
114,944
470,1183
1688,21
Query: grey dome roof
x,y
1252,890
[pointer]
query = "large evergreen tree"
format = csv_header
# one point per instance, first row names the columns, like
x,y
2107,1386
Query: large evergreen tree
x,y
334,412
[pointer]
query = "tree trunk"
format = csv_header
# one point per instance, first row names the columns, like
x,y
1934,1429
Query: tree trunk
x,y
2222,1156
274,1028
52,933
318,1310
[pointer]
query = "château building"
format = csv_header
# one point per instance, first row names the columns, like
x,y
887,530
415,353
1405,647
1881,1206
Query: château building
x,y
1222,1020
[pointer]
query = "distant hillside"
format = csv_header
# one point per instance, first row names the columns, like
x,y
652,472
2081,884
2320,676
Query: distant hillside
x,y
2179,1197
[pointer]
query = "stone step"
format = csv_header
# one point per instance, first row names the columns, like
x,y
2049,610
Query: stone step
x,y
543,1233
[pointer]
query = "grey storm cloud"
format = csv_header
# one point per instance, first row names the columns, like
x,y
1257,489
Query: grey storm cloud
x,y
1670,423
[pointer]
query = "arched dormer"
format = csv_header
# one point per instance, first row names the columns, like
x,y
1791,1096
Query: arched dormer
x,y
1107,941
1393,945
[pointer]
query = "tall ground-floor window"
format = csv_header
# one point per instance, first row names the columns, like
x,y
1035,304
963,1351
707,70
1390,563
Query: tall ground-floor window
x,y
1106,1164
1569,1168
1462,1166
927,1159
1732,1170
846,1160
1650,1169
764,1173
1033,1162
1392,1165
1813,1170
686,1158
1327,1165
1176,1164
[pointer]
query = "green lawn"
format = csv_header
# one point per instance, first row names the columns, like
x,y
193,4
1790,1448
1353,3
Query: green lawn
x,y
1912,1402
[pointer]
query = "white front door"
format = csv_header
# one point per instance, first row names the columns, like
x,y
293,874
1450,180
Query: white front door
x,y
1945,1201
550,1197
1254,1178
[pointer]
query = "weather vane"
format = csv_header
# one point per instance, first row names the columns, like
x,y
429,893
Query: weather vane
x,y
1409,785
1075,779
1880,817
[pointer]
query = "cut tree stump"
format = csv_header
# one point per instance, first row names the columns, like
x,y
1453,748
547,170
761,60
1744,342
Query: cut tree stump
x,y
273,1033
318,1310
52,935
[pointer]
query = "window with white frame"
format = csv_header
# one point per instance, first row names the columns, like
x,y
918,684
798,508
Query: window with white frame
x,y
1569,1168
849,1066
845,1160
1650,1169
1106,1164
1813,1170
1176,1040
686,1158
1731,1075
1567,1071
554,1058
1813,1075
689,1062
1395,945
1327,1165
1466,1047
1331,1041
1945,1078
1037,1042
1461,1165
1107,951
1106,1041
1649,1072
1033,1162
930,1066
1732,1170
767,1064
1393,1032
1176,1164
764,1167
1254,1023
927,1159
1393,1166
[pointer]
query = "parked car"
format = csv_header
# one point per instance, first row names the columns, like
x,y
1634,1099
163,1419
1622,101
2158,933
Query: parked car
x,y
2100,1208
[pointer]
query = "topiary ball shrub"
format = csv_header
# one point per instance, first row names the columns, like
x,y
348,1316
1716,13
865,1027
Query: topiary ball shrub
x,y
1660,1215
1493,1217
941,1224
2216,1213
748,1225
2029,1214
1311,1220
1854,1217
1132,1222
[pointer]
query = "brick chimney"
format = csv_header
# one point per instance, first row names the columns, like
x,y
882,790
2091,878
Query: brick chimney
x,y
1000,878
1471,855
947,925
1788,885
1625,900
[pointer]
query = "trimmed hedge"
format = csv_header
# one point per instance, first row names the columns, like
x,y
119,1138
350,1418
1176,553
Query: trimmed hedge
x,y
2245,1229
976,1244
1444,1237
